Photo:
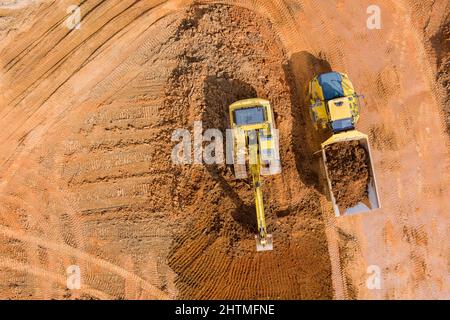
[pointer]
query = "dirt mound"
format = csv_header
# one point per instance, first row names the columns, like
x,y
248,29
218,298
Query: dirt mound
x,y
348,170
226,54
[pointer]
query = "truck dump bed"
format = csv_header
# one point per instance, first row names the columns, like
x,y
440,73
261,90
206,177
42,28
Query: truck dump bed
x,y
349,173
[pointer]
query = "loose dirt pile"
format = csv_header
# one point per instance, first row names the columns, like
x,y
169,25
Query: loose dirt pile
x,y
348,170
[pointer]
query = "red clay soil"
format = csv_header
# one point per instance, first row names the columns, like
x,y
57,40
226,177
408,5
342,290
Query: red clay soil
x,y
348,170
441,45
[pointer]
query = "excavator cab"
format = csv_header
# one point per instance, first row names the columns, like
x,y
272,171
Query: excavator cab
x,y
255,150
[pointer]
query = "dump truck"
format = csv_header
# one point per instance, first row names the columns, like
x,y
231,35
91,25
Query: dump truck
x,y
255,150
334,106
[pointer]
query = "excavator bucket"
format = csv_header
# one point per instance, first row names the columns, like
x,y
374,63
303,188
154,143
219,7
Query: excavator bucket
x,y
264,244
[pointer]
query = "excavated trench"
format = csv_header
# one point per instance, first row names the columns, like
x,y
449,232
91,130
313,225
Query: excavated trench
x,y
226,54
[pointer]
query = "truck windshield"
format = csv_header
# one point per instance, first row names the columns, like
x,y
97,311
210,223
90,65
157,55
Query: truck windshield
x,y
342,125
249,116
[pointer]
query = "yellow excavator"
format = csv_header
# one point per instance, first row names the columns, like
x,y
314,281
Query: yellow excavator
x,y
255,147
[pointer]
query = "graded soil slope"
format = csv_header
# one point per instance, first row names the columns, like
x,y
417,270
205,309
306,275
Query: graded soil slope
x,y
158,229
441,45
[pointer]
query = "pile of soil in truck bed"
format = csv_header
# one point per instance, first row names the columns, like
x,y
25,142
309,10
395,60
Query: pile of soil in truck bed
x,y
348,170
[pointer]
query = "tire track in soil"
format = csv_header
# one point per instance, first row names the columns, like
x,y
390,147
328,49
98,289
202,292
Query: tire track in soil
x,y
210,198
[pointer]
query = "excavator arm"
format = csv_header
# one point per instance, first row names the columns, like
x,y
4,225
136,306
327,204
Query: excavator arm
x,y
263,240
